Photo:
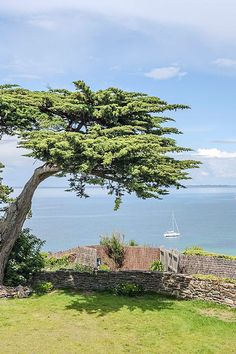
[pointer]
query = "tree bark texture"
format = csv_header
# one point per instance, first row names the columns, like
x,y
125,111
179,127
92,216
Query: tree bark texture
x,y
12,223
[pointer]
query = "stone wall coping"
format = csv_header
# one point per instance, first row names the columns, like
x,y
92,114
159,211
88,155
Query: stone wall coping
x,y
208,256
171,274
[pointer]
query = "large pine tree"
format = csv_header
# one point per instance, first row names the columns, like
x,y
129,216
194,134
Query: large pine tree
x,y
113,138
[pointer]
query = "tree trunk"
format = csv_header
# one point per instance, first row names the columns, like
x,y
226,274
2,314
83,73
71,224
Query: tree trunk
x,y
12,223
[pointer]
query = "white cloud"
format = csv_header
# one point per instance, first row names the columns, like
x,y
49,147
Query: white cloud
x,y
204,173
214,18
10,155
225,63
28,69
215,153
165,73
22,76
225,141
43,22
18,168
218,167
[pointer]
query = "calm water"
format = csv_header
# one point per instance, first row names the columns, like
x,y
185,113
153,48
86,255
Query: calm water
x,y
206,217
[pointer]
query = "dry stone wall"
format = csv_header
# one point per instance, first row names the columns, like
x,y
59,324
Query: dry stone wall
x,y
10,292
179,285
221,267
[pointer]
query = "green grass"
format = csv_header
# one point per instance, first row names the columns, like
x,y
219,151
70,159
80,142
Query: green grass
x,y
67,322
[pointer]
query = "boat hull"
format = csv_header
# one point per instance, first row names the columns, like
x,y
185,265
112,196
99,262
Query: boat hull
x,y
171,235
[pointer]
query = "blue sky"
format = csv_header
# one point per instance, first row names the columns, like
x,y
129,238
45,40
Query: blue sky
x,y
182,51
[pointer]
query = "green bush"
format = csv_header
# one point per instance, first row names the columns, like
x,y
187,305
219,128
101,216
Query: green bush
x,y
128,289
132,243
199,251
25,259
157,265
52,263
82,268
104,267
114,248
43,288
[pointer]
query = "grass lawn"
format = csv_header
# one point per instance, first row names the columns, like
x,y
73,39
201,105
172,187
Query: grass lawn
x,y
67,322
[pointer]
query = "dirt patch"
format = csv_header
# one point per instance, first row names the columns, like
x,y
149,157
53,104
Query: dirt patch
x,y
87,292
223,315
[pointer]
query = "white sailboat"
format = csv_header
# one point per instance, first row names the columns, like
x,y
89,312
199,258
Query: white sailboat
x,y
174,230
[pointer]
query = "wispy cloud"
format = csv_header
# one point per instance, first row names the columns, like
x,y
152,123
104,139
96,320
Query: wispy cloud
x,y
22,76
205,17
10,155
215,153
225,63
43,22
165,73
225,141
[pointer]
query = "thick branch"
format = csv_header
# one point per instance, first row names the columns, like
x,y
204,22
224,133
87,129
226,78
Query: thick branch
x,y
12,223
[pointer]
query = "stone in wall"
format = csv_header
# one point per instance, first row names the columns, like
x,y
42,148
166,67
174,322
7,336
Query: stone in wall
x,y
17,292
221,267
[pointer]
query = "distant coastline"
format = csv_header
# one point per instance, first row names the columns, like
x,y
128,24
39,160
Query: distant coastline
x,y
211,186
188,186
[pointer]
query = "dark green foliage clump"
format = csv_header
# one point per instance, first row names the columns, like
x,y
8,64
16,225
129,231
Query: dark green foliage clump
x,y
128,289
157,265
25,259
114,248
132,243
4,190
113,138
43,288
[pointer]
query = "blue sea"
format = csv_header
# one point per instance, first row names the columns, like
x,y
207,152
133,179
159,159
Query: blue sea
x,y
206,217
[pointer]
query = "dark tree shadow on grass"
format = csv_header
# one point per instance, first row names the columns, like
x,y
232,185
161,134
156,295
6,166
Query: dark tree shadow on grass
x,y
103,303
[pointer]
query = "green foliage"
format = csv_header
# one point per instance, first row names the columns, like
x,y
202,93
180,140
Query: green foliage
x,y
25,259
43,288
132,243
128,289
157,265
215,278
104,268
4,190
114,248
111,137
52,263
199,251
194,250
83,268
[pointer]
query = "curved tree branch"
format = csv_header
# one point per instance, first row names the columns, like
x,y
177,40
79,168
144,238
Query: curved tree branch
x,y
16,214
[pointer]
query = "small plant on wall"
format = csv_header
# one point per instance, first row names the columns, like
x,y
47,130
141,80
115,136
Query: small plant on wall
x,y
115,248
128,289
157,265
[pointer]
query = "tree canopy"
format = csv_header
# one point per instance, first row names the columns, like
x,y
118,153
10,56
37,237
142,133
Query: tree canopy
x,y
113,138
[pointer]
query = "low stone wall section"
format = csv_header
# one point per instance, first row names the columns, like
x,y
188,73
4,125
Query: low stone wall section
x,y
221,267
179,285
17,292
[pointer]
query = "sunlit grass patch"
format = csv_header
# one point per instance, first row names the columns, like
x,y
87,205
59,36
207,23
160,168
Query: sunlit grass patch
x,y
71,322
